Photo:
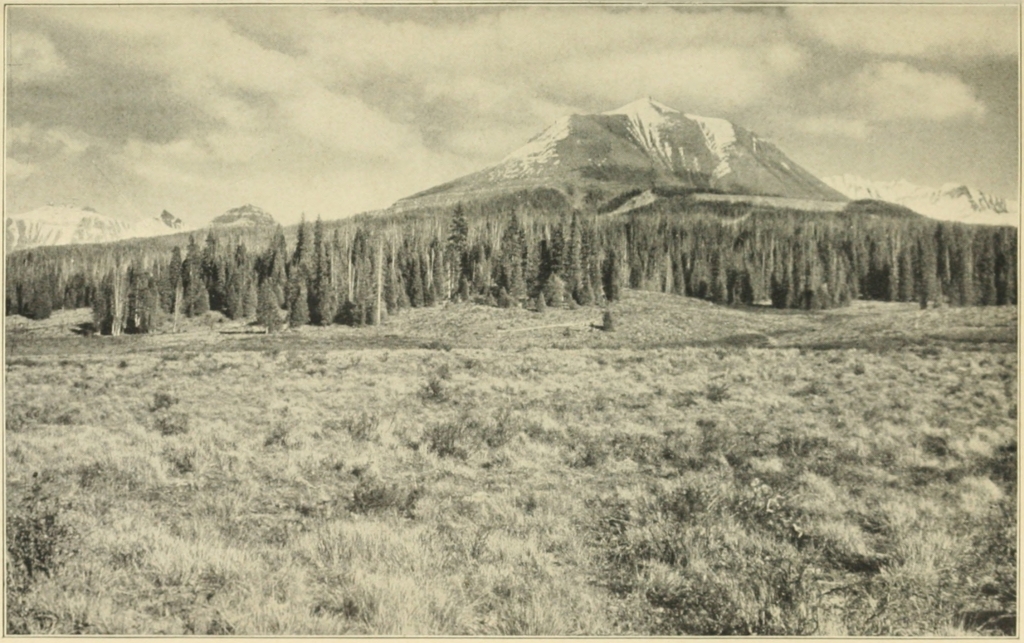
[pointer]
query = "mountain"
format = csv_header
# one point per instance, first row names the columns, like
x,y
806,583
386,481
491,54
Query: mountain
x,y
246,215
57,225
644,144
951,202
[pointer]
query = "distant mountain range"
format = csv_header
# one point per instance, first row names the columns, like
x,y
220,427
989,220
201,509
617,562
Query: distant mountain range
x,y
951,202
628,157
58,225
644,144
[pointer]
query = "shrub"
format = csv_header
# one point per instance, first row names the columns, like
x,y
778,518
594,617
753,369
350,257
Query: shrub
x,y
39,541
162,400
684,399
712,437
364,426
278,436
436,390
182,461
437,345
373,494
171,422
717,392
639,447
501,431
587,451
450,439
814,388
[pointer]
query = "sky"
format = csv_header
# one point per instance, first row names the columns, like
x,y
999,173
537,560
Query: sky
x,y
334,110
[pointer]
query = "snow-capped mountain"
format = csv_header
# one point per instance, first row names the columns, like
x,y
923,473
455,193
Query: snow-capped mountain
x,y
57,225
246,215
642,144
951,202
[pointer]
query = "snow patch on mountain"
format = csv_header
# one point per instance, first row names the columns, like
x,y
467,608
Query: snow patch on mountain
x,y
538,152
719,133
951,202
648,121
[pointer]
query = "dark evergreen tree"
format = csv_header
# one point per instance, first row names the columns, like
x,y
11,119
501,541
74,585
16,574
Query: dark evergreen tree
x,y
458,240
268,312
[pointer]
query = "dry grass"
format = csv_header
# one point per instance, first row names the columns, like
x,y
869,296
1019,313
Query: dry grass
x,y
700,470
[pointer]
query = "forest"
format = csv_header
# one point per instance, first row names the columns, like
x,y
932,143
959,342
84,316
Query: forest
x,y
528,249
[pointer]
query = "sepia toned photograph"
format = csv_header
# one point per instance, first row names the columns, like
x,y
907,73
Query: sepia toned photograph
x,y
497,320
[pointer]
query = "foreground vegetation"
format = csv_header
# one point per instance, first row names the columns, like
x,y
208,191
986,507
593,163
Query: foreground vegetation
x,y
464,469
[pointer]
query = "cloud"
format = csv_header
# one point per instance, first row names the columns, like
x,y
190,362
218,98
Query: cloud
x,y
925,31
17,170
553,43
346,108
34,59
893,91
831,125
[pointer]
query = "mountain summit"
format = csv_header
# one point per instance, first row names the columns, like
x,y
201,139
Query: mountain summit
x,y
645,144
243,216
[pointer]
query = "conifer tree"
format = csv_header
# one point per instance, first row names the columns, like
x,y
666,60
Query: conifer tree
x,y
298,307
39,304
250,299
268,311
458,239
573,268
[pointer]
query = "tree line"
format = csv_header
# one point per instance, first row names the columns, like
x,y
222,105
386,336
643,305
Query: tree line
x,y
520,253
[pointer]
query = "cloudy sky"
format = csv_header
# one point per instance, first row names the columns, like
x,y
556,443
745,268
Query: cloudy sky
x,y
336,110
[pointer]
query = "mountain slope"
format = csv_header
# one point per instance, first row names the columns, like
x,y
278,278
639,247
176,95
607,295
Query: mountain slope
x,y
951,202
643,144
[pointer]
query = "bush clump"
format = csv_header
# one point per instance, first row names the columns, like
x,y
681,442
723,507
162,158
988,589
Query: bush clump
x,y
171,422
39,543
373,494
451,439
364,427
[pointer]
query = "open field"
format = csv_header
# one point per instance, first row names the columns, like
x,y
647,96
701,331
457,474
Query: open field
x,y
699,469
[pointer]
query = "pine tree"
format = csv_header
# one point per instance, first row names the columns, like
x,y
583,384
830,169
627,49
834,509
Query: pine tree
x,y
298,307
268,312
613,280
458,239
39,306
573,269
319,281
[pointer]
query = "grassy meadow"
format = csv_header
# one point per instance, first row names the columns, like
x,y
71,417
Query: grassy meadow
x,y
467,470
